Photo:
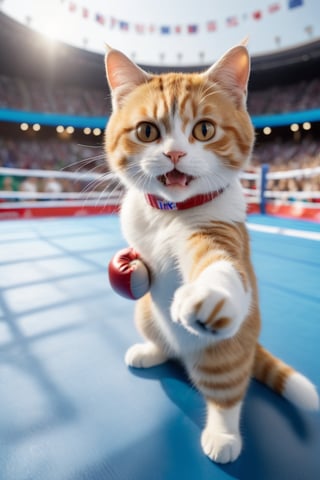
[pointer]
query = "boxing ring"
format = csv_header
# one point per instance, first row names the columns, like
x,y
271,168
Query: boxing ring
x,y
69,407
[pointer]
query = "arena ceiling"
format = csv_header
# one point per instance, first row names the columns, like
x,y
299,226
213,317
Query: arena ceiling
x,y
26,52
172,32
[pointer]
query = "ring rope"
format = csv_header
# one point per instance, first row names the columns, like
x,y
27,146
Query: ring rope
x,y
294,195
249,175
23,172
299,173
57,203
257,195
59,195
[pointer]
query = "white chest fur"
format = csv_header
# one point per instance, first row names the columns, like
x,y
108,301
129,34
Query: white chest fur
x,y
160,237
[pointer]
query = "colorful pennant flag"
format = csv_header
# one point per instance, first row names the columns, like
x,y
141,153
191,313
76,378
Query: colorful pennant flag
x,y
139,28
100,19
124,26
232,21
295,3
274,7
257,15
113,22
165,30
192,28
211,26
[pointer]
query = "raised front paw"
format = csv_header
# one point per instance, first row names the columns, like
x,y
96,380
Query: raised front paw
x,y
202,309
221,447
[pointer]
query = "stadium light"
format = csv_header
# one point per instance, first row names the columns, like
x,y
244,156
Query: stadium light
x,y
24,127
96,132
267,130
70,130
87,131
306,126
36,127
60,129
294,127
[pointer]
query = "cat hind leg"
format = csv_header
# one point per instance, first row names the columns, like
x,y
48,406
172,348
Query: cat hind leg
x,y
144,355
152,352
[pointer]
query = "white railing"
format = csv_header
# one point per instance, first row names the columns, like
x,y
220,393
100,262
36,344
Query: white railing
x,y
111,195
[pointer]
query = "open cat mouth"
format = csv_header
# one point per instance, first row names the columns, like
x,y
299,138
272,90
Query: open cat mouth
x,y
175,178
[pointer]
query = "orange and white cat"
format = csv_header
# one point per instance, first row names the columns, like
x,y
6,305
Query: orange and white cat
x,y
177,142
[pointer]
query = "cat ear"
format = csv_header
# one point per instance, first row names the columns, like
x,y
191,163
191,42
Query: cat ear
x,y
123,75
232,72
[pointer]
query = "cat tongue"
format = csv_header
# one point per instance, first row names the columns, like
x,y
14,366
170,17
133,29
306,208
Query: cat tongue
x,y
176,178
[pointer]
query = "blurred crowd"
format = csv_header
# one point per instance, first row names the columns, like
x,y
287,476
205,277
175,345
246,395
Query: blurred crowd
x,y
33,95
304,95
50,154
57,154
287,154
282,156
53,155
70,156
17,93
51,185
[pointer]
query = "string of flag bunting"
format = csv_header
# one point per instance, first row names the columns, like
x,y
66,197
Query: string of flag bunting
x,y
209,26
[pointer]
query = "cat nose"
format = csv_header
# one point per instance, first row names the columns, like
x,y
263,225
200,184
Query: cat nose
x,y
175,156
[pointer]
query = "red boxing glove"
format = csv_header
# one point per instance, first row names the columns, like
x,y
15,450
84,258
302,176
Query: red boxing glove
x,y
128,275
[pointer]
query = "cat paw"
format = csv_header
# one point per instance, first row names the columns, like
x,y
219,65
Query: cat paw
x,y
144,355
206,310
221,447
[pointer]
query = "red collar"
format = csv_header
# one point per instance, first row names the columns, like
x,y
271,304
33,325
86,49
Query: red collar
x,y
161,204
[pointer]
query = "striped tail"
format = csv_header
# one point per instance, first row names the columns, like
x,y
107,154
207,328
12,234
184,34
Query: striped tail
x,y
284,380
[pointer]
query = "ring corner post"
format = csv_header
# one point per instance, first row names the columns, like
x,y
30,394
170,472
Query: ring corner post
x,y
263,187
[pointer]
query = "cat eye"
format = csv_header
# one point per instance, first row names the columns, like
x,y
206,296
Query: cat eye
x,y
204,130
147,132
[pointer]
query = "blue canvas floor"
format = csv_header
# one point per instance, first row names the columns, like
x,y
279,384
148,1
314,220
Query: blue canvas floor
x,y
71,410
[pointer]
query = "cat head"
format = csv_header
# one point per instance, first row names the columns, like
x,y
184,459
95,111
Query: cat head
x,y
178,135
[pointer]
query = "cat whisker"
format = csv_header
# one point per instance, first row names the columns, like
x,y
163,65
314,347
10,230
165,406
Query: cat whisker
x,y
93,185
85,162
106,190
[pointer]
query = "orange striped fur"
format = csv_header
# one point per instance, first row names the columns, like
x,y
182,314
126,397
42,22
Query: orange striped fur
x,y
270,370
